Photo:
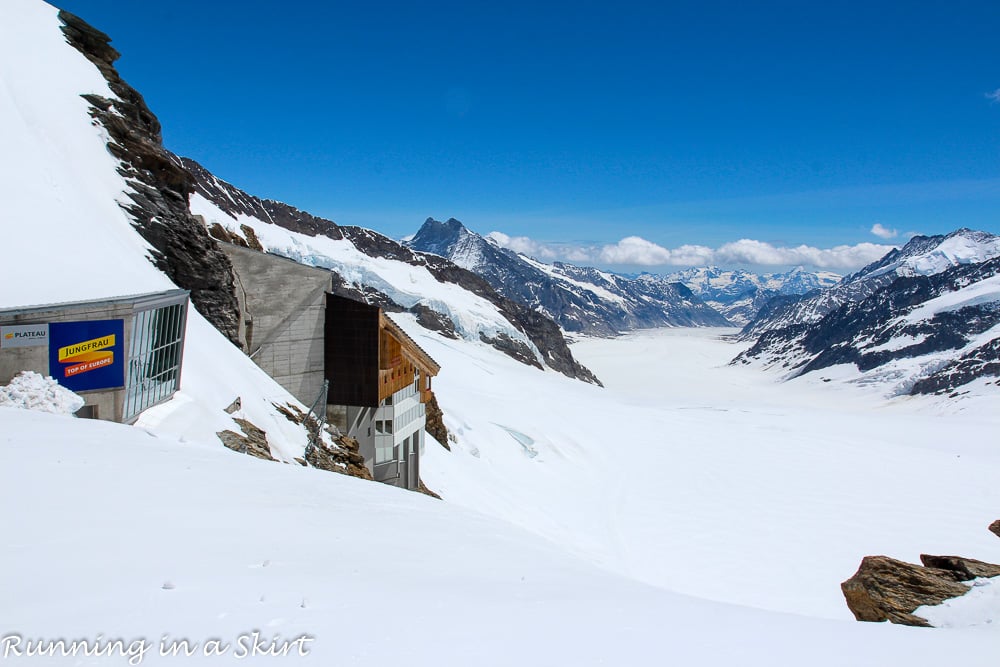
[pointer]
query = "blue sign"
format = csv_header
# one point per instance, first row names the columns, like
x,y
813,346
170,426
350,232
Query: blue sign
x,y
87,355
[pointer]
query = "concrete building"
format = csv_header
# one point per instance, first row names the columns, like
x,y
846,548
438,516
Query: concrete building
x,y
301,334
122,355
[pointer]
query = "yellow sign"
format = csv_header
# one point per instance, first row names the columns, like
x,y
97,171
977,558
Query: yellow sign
x,y
83,351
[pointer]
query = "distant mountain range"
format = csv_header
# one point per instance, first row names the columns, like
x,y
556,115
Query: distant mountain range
x,y
581,299
739,294
923,319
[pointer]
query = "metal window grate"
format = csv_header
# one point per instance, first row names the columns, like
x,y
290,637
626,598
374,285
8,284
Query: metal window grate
x,y
155,351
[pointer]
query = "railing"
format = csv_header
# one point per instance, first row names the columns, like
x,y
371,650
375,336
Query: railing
x,y
315,419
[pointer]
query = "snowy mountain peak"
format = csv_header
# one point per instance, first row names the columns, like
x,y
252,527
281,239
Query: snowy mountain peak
x,y
453,240
927,255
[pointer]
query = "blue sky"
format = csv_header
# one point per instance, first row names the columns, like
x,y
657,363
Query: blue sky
x,y
573,126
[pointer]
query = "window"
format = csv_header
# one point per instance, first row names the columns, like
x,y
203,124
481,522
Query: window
x,y
383,427
154,359
383,450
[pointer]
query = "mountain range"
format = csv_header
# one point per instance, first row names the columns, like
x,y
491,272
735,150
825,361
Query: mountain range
x,y
923,319
739,294
581,299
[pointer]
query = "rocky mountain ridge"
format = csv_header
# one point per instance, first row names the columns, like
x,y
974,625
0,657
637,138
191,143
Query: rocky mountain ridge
x,y
923,319
581,299
922,255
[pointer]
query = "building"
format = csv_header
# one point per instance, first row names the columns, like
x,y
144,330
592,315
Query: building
x,y
379,382
301,334
122,355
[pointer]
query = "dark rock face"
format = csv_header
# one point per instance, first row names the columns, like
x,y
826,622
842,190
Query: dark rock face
x,y
160,187
966,568
580,299
885,589
434,321
514,349
981,362
234,201
995,527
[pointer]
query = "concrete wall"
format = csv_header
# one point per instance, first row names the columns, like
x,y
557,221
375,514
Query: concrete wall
x,y
282,306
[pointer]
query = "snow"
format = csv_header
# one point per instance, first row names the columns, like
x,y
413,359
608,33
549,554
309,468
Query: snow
x,y
978,293
959,249
964,247
372,575
29,390
215,373
774,492
57,179
896,343
980,607
598,291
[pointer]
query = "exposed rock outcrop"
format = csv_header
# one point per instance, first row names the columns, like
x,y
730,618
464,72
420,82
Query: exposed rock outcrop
x,y
252,441
434,321
334,453
160,187
995,527
435,422
966,568
886,589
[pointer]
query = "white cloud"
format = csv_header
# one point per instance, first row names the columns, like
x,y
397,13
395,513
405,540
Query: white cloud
x,y
639,252
883,232
524,245
994,95
635,250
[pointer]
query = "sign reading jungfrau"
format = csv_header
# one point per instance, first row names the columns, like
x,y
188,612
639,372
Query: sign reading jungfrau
x,y
87,355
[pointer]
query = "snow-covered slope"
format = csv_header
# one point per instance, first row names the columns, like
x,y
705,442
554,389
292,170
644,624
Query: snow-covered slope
x,y
349,573
740,294
580,299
